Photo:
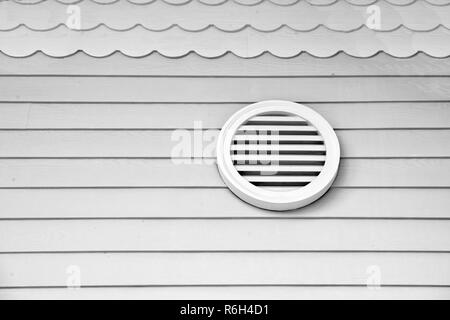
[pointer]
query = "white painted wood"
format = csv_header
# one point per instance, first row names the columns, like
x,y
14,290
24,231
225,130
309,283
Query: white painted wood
x,y
119,92
233,235
256,2
394,173
154,116
108,173
213,42
164,89
230,293
229,16
394,143
151,144
134,269
217,203
117,116
203,173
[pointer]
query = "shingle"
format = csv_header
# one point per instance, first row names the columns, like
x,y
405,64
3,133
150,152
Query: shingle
x,y
230,16
212,28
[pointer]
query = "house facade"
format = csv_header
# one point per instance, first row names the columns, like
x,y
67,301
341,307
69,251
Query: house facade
x,y
99,201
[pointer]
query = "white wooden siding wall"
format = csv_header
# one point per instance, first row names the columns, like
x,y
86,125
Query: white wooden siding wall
x,y
86,179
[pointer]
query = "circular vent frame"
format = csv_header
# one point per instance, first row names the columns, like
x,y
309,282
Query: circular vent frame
x,y
278,155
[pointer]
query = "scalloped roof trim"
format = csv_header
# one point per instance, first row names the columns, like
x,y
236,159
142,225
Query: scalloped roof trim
x,y
219,29
212,43
243,2
340,17
228,53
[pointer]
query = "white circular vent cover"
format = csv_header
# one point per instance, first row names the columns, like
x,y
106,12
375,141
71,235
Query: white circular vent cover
x,y
278,155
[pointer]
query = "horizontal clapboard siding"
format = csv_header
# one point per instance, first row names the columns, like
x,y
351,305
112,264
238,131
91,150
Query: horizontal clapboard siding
x,y
205,203
86,179
224,235
63,173
213,89
140,269
162,144
231,293
57,116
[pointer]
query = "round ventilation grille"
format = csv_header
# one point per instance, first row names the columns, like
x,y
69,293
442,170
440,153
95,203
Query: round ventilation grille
x,y
278,155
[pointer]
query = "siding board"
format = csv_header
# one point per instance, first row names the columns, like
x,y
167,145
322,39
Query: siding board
x,y
212,116
62,173
140,269
217,204
224,235
161,144
188,89
231,293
